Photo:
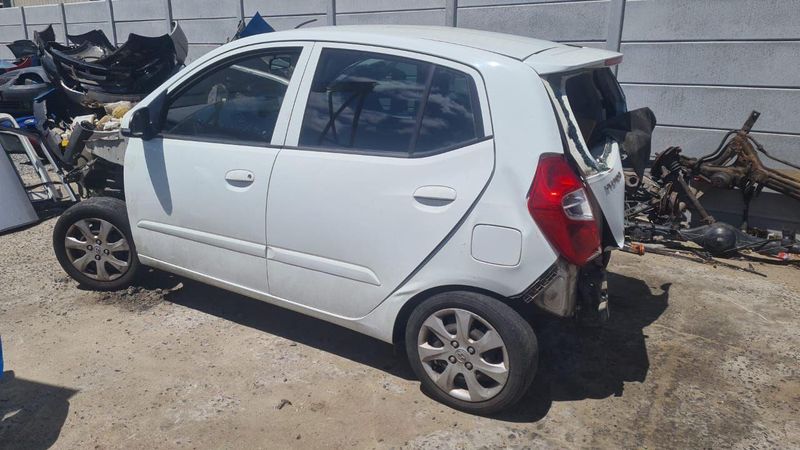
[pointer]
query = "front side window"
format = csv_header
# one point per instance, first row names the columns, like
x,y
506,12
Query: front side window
x,y
387,104
238,101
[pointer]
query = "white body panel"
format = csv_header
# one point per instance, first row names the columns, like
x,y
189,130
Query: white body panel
x,y
348,237
354,224
608,188
202,205
188,214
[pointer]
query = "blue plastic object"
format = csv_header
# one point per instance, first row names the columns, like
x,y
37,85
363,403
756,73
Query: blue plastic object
x,y
256,25
27,122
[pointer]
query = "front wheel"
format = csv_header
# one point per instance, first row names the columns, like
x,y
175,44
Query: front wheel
x,y
92,241
471,352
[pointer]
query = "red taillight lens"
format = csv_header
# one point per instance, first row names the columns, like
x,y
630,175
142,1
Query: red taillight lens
x,y
559,203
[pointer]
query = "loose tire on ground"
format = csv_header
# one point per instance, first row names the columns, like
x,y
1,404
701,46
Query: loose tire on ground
x,y
471,351
92,241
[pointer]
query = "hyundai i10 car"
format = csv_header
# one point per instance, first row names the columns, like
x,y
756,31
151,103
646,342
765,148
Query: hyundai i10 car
x,y
426,186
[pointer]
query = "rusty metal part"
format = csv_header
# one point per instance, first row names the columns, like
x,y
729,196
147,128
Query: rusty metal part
x,y
736,164
666,193
669,167
687,254
637,248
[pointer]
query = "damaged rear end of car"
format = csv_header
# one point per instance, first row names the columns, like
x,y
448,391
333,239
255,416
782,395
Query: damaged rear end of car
x,y
577,194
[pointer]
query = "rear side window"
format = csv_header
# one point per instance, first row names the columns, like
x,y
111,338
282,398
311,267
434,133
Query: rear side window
x,y
238,101
384,104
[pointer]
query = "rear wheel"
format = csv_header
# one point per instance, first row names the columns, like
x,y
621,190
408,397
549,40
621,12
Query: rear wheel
x,y
471,351
92,241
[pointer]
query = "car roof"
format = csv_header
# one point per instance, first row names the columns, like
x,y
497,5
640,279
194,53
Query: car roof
x,y
517,47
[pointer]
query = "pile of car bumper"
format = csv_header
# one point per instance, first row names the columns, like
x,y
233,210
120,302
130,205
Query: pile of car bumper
x,y
92,72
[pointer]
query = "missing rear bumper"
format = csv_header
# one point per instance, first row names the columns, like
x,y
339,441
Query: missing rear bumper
x,y
555,290
566,290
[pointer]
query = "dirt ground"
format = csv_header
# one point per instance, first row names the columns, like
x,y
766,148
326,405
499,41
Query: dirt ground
x,y
694,357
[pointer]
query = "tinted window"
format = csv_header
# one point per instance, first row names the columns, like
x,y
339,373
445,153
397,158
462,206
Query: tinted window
x,y
451,115
365,101
238,101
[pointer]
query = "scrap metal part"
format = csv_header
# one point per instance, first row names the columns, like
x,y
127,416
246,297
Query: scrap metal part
x,y
640,249
660,205
736,164
14,202
24,202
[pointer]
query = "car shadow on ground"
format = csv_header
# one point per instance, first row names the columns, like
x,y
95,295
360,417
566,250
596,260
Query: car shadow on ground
x,y
281,322
574,363
577,364
31,413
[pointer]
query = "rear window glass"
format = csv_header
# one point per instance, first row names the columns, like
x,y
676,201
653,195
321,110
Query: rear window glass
x,y
386,104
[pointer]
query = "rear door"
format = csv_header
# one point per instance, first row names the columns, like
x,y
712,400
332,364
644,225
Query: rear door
x,y
386,152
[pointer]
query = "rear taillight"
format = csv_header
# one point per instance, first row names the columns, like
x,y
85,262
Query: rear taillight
x,y
559,203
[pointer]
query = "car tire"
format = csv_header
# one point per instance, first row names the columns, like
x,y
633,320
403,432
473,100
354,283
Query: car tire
x,y
497,349
93,243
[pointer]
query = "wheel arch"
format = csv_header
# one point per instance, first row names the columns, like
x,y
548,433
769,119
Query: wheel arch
x,y
398,331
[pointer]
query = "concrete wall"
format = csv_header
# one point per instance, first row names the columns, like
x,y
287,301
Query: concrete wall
x,y
700,65
583,21
704,65
41,2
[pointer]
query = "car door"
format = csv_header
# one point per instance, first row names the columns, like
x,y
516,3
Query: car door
x,y
386,152
196,194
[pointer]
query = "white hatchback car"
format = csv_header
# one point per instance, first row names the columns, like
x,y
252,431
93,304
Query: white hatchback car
x,y
425,186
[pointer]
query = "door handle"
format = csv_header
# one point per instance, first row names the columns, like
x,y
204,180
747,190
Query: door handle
x,y
435,195
239,177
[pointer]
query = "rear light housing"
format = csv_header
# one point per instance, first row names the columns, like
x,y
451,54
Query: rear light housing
x,y
560,205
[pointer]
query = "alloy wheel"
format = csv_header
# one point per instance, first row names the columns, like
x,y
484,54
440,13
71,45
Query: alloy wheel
x,y
97,249
463,354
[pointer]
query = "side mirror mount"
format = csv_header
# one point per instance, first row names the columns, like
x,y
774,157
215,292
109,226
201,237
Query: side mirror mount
x,y
140,125
145,123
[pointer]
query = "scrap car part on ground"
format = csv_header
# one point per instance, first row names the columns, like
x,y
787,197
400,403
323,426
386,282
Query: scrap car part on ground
x,y
661,205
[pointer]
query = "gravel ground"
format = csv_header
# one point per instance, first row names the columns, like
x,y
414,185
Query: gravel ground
x,y
694,357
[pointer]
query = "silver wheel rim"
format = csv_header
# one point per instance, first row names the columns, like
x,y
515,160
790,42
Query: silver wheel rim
x,y
97,249
463,354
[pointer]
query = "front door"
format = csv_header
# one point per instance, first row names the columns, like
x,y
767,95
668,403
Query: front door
x,y
386,152
197,193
